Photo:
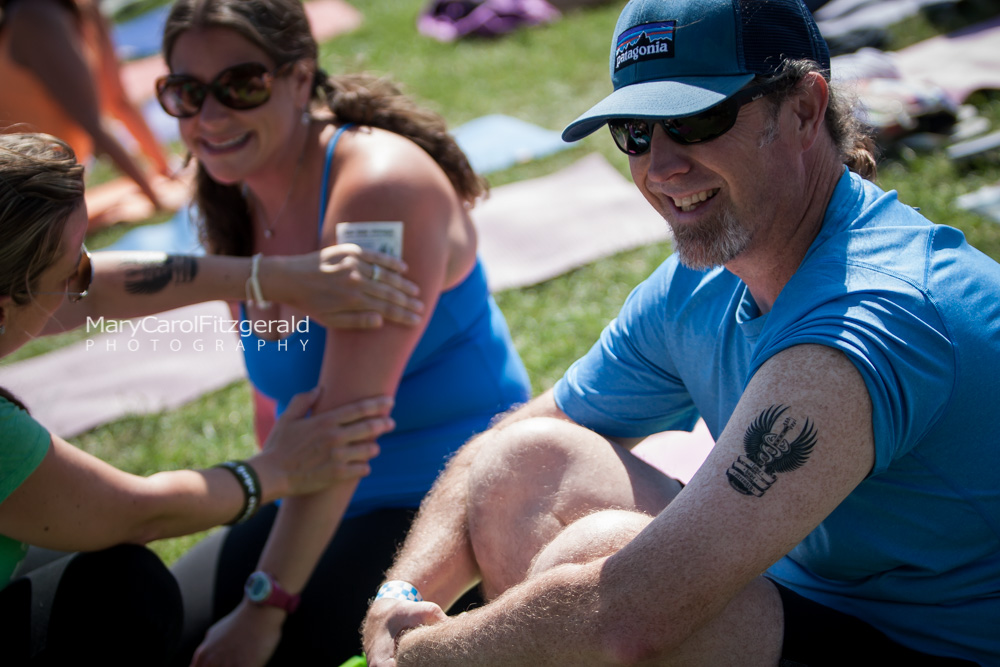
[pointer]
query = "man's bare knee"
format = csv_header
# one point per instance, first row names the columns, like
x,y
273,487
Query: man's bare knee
x,y
523,490
594,536
533,448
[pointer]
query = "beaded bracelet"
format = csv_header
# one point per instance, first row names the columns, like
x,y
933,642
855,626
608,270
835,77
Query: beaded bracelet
x,y
250,483
400,590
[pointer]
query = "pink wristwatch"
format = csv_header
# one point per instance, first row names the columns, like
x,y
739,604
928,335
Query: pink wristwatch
x,y
262,589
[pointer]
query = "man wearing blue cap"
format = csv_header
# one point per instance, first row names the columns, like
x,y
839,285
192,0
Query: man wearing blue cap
x,y
841,349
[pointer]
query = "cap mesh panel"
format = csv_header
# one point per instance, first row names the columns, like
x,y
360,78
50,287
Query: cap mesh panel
x,y
774,30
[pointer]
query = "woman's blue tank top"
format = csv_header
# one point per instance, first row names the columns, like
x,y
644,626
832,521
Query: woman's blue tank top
x,y
463,372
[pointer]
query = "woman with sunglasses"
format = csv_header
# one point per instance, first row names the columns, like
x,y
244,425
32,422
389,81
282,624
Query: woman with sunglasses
x,y
117,604
285,153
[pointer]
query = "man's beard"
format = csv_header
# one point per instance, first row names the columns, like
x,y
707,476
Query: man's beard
x,y
714,242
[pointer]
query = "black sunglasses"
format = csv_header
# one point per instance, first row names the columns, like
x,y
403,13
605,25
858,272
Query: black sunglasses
x,y
79,283
633,136
240,87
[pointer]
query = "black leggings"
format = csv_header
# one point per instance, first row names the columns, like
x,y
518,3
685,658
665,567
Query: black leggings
x,y
119,606
324,630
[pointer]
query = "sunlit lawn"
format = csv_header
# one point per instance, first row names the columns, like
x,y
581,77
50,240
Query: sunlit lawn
x,y
546,76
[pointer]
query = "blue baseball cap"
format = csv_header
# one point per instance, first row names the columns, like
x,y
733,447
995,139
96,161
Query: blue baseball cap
x,y
672,58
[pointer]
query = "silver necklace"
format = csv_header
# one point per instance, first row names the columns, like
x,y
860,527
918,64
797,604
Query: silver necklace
x,y
269,229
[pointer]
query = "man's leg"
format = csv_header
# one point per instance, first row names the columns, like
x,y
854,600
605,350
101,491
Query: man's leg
x,y
534,478
747,633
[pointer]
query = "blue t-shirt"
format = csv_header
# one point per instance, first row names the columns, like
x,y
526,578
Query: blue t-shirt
x,y
24,444
463,372
915,549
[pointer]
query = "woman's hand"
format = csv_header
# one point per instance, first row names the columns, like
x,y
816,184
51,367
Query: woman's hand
x,y
305,454
246,637
343,286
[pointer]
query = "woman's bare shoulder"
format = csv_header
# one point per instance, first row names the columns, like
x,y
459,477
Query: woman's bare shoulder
x,y
375,163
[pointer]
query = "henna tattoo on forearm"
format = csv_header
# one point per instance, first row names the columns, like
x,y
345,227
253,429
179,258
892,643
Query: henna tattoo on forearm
x,y
768,453
153,276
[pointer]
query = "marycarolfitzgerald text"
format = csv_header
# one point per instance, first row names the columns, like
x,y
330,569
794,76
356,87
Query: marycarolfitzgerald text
x,y
196,334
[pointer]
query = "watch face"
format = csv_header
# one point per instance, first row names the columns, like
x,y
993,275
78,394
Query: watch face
x,y
258,587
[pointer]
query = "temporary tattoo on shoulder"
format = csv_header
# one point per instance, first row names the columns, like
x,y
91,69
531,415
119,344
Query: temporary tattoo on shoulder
x,y
768,453
152,277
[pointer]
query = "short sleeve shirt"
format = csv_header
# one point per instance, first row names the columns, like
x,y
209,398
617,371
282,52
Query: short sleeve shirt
x,y
915,549
23,444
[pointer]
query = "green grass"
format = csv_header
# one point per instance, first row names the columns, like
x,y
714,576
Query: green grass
x,y
218,427
545,75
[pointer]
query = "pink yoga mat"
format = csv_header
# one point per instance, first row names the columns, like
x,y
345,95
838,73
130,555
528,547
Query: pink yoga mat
x,y
678,454
961,62
537,229
169,359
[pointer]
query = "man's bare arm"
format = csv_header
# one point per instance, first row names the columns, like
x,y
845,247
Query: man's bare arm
x,y
809,406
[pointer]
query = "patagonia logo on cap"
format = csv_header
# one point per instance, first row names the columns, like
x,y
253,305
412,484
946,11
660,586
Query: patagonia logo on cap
x,y
648,41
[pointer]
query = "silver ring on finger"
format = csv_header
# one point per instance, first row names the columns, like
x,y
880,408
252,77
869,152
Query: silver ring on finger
x,y
376,273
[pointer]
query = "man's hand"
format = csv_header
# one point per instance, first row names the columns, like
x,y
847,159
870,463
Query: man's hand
x,y
387,619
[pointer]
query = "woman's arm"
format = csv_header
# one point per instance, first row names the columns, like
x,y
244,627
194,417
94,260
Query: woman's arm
x,y
74,501
332,285
353,365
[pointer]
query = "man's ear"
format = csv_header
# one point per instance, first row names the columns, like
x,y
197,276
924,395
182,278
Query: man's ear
x,y
808,104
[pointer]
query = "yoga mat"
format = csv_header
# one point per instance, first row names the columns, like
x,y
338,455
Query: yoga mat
x,y
178,235
678,454
496,142
529,232
112,375
140,37
961,62
839,18
985,201
537,229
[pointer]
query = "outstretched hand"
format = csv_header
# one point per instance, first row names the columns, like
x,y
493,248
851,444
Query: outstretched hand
x,y
345,286
308,453
387,619
246,637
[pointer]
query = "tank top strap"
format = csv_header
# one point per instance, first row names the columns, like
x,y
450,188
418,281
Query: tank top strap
x,y
324,192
